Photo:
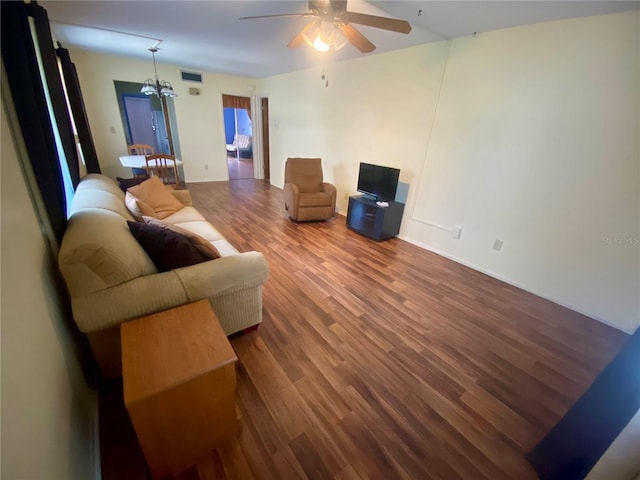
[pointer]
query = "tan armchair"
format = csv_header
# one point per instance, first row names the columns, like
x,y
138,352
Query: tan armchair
x,y
306,196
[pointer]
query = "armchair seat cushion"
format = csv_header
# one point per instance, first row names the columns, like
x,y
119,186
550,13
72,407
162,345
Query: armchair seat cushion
x,y
315,199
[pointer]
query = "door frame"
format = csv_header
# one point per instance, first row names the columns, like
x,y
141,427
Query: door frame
x,y
264,130
258,131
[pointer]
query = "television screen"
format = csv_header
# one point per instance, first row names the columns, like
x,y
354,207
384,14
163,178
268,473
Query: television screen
x,y
377,181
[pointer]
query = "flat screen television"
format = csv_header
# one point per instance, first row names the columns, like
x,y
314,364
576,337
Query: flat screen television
x,y
378,182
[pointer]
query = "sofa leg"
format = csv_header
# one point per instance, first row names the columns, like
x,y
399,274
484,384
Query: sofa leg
x,y
247,330
252,328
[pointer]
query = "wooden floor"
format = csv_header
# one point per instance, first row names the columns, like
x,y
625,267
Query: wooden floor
x,y
239,168
380,360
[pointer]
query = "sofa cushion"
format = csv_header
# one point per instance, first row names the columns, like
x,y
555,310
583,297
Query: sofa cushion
x,y
204,229
199,242
167,249
153,193
137,207
97,181
98,251
225,248
185,215
87,199
126,183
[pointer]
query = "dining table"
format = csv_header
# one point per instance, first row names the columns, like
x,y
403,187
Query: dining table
x,y
138,161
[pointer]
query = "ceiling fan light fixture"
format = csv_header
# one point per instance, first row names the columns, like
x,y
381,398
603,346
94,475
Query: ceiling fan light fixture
x,y
321,45
339,40
334,19
324,37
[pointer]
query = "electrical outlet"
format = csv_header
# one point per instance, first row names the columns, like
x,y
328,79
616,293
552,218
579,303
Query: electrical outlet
x,y
346,196
206,166
456,232
497,245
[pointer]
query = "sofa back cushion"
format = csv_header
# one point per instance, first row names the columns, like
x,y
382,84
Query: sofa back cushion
x,y
98,251
97,181
98,191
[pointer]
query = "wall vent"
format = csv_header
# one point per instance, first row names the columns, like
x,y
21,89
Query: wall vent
x,y
191,76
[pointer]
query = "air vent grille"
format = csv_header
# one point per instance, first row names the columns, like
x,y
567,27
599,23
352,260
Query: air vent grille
x,y
191,76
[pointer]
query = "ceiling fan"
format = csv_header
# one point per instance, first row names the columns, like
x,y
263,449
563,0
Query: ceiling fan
x,y
333,27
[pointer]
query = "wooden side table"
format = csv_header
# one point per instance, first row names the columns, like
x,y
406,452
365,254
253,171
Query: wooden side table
x,y
178,371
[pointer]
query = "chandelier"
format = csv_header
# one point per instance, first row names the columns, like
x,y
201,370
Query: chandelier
x,y
158,87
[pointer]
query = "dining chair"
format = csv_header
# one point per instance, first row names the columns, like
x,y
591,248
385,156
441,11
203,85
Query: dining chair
x,y
140,149
163,166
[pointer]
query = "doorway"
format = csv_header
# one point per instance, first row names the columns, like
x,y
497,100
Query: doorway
x,y
145,124
238,130
144,118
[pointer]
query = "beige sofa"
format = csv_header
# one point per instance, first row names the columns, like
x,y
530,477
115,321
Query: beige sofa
x,y
111,279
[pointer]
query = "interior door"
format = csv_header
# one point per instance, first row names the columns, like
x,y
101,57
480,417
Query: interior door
x,y
140,118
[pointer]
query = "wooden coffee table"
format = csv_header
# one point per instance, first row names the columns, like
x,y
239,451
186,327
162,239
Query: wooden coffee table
x,y
178,372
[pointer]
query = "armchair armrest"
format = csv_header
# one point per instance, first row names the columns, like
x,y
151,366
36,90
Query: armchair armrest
x,y
330,190
291,195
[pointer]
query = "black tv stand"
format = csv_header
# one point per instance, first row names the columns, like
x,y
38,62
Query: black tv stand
x,y
366,217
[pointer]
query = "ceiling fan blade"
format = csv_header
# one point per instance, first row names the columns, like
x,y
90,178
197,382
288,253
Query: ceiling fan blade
x,y
306,14
357,39
299,39
400,26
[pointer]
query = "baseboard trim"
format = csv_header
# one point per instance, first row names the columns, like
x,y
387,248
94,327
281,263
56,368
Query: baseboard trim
x,y
513,283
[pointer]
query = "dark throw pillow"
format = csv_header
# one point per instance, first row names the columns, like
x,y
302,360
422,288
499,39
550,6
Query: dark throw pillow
x,y
166,248
130,182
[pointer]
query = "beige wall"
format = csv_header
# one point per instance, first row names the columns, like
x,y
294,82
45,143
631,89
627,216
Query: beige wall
x,y
48,411
199,118
528,135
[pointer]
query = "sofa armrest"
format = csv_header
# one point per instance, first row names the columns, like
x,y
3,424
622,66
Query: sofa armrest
x,y
149,294
224,275
141,296
183,196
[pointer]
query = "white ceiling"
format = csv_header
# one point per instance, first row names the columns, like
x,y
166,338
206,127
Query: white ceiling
x,y
208,35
